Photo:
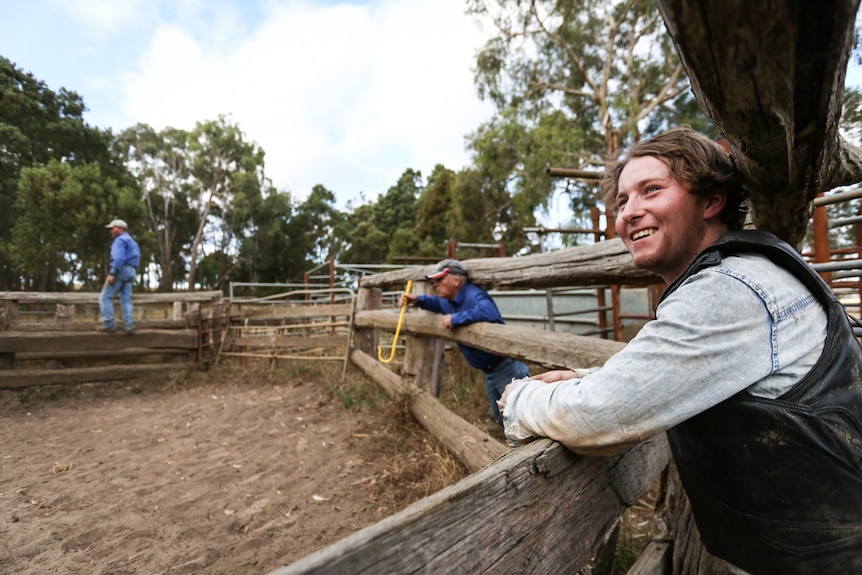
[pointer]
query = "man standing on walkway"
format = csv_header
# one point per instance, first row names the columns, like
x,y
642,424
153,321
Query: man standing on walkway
x,y
125,258
464,303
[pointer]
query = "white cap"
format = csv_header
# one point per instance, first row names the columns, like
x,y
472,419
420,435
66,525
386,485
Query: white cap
x,y
118,224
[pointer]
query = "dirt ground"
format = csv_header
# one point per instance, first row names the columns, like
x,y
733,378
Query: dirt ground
x,y
241,469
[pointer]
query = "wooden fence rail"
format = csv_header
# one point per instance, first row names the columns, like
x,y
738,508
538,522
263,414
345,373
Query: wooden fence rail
x,y
539,509
536,509
601,263
39,346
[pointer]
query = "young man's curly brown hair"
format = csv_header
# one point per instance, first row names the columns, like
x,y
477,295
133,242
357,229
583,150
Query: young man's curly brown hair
x,y
693,160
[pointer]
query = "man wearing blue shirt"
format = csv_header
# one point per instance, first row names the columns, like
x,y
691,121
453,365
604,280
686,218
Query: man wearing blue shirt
x,y
463,303
125,258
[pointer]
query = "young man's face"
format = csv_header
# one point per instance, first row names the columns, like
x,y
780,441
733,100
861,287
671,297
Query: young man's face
x,y
447,287
661,223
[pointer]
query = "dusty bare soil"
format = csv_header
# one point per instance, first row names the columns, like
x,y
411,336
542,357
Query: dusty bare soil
x,y
241,469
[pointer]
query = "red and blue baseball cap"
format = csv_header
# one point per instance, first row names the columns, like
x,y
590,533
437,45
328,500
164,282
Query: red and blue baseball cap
x,y
446,267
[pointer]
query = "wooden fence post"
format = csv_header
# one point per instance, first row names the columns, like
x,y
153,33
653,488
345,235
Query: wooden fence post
x,y
366,339
820,227
8,314
423,357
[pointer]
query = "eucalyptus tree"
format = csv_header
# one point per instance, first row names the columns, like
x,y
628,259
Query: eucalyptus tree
x,y
396,209
380,230
394,214
276,249
363,241
38,125
436,217
160,162
454,206
318,220
59,239
222,165
573,81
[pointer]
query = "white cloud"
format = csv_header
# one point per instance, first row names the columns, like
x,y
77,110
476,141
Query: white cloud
x,y
103,17
348,96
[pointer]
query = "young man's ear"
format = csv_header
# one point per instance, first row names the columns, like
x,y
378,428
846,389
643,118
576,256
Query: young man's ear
x,y
714,205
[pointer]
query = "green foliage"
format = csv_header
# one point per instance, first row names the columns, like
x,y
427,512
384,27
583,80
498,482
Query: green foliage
x,y
394,215
160,163
38,125
437,220
380,231
60,238
573,82
274,249
359,395
396,209
223,167
317,218
363,241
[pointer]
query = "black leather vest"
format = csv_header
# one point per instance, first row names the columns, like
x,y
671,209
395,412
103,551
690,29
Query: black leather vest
x,y
776,485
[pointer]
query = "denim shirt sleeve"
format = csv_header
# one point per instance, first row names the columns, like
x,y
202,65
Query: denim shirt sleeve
x,y
118,254
476,306
430,303
712,338
471,305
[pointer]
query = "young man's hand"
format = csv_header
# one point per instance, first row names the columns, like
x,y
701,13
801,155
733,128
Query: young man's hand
x,y
555,375
547,377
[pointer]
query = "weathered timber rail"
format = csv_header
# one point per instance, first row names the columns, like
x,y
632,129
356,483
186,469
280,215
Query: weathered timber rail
x,y
601,263
474,448
553,350
535,509
66,349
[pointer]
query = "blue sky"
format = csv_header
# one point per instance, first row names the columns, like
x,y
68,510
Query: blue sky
x,y
344,94
347,94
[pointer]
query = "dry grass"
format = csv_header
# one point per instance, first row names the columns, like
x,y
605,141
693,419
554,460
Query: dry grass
x,y
416,464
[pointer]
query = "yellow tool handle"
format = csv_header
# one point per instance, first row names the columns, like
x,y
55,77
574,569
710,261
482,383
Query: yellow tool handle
x,y
397,329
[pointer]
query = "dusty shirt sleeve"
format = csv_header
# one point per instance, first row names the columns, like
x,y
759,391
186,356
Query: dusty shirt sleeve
x,y
698,352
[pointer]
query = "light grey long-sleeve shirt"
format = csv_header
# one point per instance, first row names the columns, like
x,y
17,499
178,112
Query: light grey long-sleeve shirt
x,y
745,324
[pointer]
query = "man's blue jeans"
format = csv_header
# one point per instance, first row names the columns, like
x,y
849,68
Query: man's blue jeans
x,y
497,380
123,282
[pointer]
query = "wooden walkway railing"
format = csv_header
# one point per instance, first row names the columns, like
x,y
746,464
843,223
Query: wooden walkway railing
x,y
50,338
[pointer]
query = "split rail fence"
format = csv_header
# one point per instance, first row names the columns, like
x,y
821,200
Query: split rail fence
x,y
535,509
299,324
50,338
538,508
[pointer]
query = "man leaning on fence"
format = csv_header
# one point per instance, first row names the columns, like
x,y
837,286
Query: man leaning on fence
x,y
463,303
125,259
750,366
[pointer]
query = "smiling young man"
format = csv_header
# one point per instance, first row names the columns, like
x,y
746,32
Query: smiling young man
x,y
463,303
762,410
